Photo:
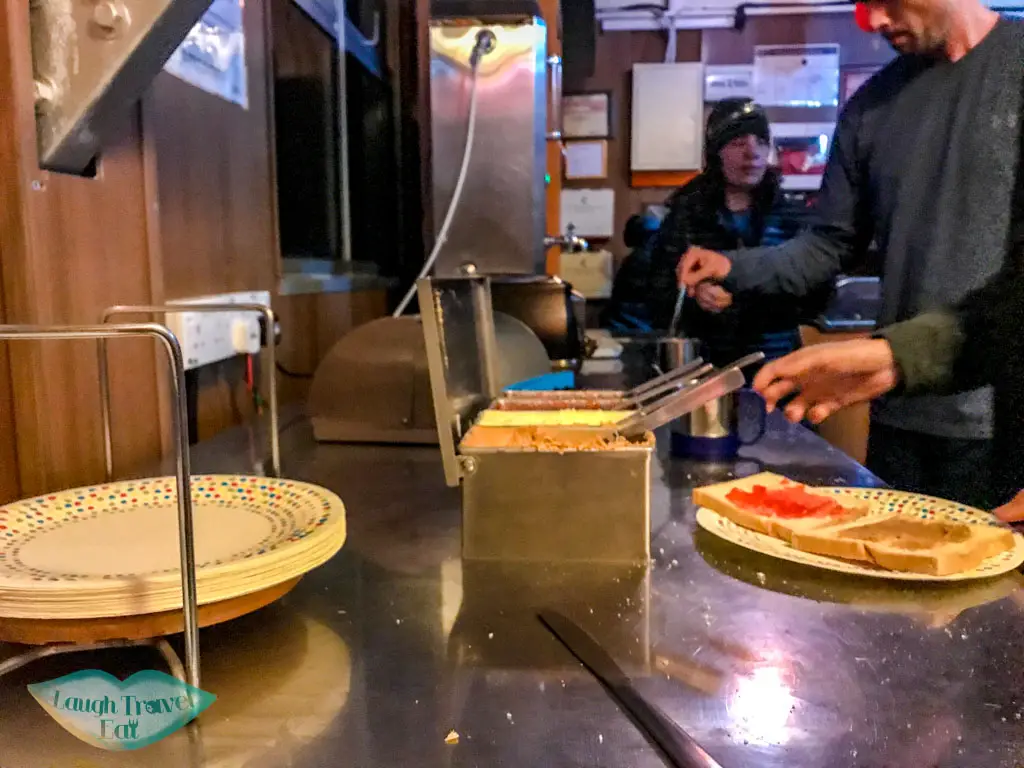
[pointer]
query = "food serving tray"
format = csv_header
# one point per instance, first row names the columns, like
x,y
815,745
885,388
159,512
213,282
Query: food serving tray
x,y
112,550
880,502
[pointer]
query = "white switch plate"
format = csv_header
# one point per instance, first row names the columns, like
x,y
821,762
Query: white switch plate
x,y
209,337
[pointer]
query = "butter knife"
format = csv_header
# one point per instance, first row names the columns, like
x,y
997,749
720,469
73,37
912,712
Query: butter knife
x,y
675,744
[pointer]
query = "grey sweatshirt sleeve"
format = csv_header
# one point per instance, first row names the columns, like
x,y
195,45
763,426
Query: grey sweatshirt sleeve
x,y
839,239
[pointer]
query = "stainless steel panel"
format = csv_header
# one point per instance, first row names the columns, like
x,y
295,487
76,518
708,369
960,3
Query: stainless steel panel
x,y
500,222
555,105
489,611
373,386
458,329
92,61
584,507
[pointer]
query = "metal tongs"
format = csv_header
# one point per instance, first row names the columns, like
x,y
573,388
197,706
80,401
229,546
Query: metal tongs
x,y
699,390
635,397
666,382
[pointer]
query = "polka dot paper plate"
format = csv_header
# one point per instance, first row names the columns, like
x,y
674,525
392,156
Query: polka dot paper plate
x,y
112,550
880,502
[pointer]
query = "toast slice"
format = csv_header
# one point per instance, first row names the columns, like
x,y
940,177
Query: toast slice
x,y
786,529
842,541
764,519
944,549
713,497
932,547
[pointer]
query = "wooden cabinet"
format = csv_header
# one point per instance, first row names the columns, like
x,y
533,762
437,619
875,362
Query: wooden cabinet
x,y
847,429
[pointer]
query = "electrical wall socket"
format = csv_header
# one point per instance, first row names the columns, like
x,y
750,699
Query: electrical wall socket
x,y
209,337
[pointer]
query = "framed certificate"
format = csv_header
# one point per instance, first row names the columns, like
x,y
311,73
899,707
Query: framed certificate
x,y
586,159
587,115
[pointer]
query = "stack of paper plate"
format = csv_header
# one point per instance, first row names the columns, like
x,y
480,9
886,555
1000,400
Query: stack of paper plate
x,y
112,550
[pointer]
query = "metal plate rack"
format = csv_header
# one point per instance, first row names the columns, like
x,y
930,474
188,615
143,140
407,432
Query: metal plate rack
x,y
176,369
269,320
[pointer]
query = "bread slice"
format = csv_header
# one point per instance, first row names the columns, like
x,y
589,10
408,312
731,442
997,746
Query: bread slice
x,y
840,540
933,547
715,498
786,529
947,548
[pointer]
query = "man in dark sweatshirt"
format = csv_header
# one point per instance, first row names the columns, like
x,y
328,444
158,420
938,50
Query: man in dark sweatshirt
x,y
922,163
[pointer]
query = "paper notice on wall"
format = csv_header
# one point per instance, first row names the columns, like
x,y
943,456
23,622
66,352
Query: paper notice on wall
x,y
796,75
589,272
591,212
212,57
728,81
586,160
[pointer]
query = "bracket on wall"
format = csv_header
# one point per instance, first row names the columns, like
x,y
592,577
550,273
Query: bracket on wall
x,y
325,14
91,61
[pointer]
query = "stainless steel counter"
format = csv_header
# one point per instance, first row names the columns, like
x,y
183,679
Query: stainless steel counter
x,y
374,657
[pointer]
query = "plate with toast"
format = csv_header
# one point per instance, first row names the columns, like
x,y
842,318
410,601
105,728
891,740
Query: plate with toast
x,y
863,531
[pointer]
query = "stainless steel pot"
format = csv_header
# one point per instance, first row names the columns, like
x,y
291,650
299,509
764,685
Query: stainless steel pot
x,y
550,308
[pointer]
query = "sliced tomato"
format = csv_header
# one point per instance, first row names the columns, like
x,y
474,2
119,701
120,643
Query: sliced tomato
x,y
792,501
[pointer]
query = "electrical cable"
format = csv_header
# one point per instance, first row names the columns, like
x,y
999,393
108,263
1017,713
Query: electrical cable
x,y
673,35
484,45
293,374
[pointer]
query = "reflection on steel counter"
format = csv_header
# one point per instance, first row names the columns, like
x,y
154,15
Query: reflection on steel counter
x,y
791,668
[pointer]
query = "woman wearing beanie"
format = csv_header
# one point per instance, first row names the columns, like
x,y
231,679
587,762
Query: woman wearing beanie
x,y
733,204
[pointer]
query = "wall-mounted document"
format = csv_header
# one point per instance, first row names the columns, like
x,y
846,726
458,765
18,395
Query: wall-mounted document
x,y
797,75
668,117
728,81
590,211
586,159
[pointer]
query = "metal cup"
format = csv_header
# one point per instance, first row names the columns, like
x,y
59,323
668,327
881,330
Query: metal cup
x,y
674,353
712,432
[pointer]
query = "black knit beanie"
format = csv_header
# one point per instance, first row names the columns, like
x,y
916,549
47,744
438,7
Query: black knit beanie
x,y
731,118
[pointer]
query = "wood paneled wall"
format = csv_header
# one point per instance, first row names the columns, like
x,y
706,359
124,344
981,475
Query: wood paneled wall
x,y
183,204
10,484
616,53
324,318
215,170
71,246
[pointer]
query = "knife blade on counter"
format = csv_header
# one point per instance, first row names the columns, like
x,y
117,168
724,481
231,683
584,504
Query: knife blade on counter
x,y
675,744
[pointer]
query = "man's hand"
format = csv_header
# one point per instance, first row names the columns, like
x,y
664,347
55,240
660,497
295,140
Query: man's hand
x,y
713,298
699,265
827,377
1013,512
